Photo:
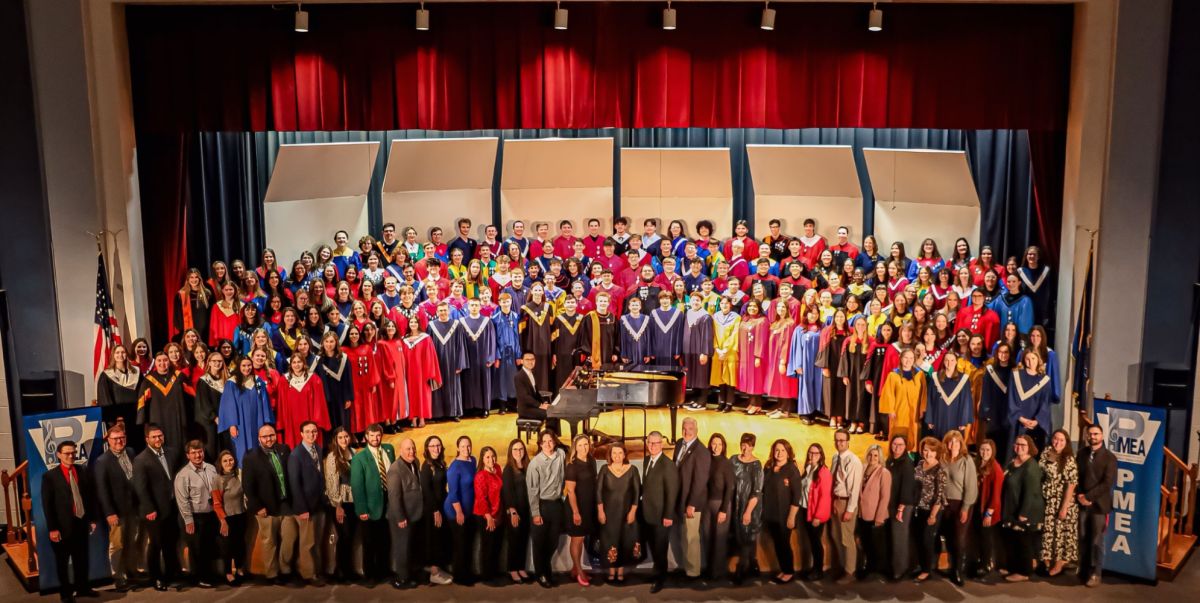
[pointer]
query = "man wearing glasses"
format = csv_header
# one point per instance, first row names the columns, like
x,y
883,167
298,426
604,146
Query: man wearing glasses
x,y
113,475
68,504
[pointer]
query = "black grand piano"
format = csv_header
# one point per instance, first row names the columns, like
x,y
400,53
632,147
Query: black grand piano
x,y
618,388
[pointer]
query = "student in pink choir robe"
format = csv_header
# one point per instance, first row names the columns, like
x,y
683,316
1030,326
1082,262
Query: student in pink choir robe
x,y
365,372
422,374
811,244
896,280
393,396
780,384
753,336
301,399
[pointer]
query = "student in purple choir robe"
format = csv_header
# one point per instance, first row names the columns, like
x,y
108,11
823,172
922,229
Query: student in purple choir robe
x,y
1035,281
449,342
1029,400
780,384
1038,340
806,343
516,289
949,406
753,337
480,341
829,360
666,332
724,372
506,323
565,337
334,370
697,351
635,335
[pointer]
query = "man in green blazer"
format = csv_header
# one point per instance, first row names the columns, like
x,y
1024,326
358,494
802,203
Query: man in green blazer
x,y
368,484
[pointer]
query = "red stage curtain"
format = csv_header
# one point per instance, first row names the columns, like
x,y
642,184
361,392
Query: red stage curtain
x,y
163,163
364,67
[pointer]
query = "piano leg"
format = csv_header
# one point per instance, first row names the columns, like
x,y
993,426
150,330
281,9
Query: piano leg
x,y
674,415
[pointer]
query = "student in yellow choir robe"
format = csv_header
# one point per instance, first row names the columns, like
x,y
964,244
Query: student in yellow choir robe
x,y
903,397
725,353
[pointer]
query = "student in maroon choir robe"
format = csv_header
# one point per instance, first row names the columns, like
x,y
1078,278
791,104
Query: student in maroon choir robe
x,y
978,318
301,399
163,399
697,350
780,384
564,243
740,235
422,374
480,345
666,332
565,337
393,397
225,315
752,364
366,376
192,307
449,342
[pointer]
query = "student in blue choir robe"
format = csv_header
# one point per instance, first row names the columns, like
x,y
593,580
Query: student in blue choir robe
x,y
450,343
1035,281
333,369
993,396
243,335
285,337
517,290
334,324
666,332
698,350
802,364
949,406
1038,340
635,335
1013,306
344,256
1029,400
507,325
481,355
245,407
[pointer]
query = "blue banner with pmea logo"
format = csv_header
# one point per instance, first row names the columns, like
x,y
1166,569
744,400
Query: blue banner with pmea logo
x,y
42,435
1134,434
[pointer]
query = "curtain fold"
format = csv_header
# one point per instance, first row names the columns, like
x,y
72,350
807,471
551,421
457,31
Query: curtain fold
x,y
163,172
224,212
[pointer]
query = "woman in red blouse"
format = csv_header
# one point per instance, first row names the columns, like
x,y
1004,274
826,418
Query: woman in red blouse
x,y
991,481
487,513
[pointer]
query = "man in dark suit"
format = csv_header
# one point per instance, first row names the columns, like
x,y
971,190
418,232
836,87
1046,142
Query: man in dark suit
x,y
660,495
406,504
529,401
307,480
154,482
69,508
269,501
1097,476
112,473
693,460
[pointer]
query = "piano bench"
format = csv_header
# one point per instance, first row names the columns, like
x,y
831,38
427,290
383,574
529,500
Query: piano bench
x,y
527,429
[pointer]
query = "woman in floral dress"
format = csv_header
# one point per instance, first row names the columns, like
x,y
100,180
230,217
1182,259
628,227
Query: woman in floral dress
x,y
1060,541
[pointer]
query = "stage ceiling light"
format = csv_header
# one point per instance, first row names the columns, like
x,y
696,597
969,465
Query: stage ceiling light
x,y
668,16
768,17
422,18
875,23
301,20
560,16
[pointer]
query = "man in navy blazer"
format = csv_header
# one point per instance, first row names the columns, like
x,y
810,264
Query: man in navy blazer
x,y
307,479
112,472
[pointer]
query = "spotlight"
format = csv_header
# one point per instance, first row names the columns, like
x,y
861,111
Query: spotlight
x,y
560,16
668,16
422,18
301,20
768,18
876,21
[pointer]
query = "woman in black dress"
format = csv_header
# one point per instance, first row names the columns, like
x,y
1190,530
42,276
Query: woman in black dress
x,y
618,491
433,485
781,503
580,477
748,472
514,499
715,521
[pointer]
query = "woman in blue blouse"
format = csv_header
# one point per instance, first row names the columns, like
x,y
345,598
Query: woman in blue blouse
x,y
459,509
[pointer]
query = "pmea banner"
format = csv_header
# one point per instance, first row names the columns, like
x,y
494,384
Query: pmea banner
x,y
42,435
1134,434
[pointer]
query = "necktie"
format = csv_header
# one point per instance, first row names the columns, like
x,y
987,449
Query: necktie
x,y
313,453
382,470
126,466
652,461
75,494
278,473
162,459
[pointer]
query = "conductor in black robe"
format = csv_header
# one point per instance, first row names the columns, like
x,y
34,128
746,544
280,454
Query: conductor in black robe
x,y
599,338
566,337
450,343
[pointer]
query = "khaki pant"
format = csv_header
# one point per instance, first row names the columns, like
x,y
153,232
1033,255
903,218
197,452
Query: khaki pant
x,y
123,549
842,534
310,531
277,536
687,554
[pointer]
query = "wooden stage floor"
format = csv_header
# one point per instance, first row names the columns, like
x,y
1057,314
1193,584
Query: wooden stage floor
x,y
498,430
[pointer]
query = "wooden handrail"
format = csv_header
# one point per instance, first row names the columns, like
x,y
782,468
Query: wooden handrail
x,y
19,520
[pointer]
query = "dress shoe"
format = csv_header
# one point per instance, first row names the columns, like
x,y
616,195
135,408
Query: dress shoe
x,y
205,584
846,578
122,586
403,584
87,593
544,582
66,598
160,586
657,586
317,581
485,414
1093,582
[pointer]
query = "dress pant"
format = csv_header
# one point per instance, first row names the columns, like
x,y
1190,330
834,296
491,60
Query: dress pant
x,y
122,547
928,549
309,531
377,548
658,537
781,538
277,535
1092,526
518,542
989,546
404,542
345,533
72,551
901,541
843,535
162,535
233,546
689,539
202,545
1023,546
874,545
545,537
958,536
489,546
717,537
462,538
816,546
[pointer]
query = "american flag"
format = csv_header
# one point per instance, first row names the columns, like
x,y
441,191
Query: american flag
x,y
108,334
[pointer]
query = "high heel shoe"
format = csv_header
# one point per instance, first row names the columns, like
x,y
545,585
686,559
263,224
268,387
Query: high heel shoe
x,y
582,580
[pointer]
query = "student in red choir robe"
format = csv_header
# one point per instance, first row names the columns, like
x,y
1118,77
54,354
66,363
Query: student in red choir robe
x,y
616,294
753,334
269,265
896,279
502,276
564,243
225,315
978,318
301,399
391,360
980,265
366,408
811,244
192,307
422,374
749,249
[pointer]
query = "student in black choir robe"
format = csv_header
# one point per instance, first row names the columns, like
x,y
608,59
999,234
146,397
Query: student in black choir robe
x,y
196,312
450,343
476,378
537,322
644,289
666,332
337,380
209,389
117,388
993,396
600,337
829,357
873,377
566,337
163,399
852,370
697,350
635,335
1035,280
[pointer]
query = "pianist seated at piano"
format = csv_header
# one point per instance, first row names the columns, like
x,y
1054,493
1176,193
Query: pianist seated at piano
x,y
529,401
